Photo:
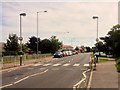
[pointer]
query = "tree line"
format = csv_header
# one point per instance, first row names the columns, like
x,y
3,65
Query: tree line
x,y
12,47
110,44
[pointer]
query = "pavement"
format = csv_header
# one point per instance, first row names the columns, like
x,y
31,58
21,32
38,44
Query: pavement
x,y
105,76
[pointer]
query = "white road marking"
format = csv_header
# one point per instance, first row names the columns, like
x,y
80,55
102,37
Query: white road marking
x,y
6,85
38,64
66,64
24,79
56,64
47,64
76,65
21,79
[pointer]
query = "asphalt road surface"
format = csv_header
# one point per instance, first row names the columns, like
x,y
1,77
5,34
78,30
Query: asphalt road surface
x,y
60,73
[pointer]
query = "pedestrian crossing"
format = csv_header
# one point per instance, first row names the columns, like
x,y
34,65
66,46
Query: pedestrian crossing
x,y
58,64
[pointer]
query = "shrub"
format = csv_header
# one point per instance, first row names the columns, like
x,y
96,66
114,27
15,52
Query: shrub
x,y
118,64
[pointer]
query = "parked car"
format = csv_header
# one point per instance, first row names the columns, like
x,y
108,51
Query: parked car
x,y
97,54
64,53
69,53
76,52
58,54
102,54
73,52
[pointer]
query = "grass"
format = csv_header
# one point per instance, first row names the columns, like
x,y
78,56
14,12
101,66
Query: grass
x,y
118,64
102,59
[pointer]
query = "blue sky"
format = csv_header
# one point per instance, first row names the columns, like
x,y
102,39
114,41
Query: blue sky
x,y
62,17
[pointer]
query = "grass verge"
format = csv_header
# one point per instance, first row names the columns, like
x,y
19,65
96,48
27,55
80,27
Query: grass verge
x,y
118,64
102,59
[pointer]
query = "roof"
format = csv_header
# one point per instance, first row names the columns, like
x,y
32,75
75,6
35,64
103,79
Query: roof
x,y
67,46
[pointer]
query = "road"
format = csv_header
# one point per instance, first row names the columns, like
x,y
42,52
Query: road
x,y
60,73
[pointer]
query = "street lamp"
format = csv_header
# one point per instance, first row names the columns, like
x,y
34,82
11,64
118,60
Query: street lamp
x,y
96,17
21,38
37,29
97,40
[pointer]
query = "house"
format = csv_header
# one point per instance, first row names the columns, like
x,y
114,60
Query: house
x,y
67,47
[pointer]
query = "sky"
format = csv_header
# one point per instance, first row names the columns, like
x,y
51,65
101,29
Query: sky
x,y
71,22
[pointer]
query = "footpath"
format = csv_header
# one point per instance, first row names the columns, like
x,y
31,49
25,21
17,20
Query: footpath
x,y
105,77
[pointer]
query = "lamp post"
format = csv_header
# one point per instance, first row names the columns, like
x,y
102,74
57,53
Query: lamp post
x,y
96,17
21,38
97,39
37,30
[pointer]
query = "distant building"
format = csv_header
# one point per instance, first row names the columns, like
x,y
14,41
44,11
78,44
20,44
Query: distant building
x,y
67,47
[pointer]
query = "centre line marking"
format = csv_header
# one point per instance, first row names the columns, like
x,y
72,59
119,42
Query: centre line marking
x,y
24,79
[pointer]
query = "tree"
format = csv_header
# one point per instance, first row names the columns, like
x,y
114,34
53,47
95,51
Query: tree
x,y
55,44
32,44
45,46
12,45
112,42
100,47
88,49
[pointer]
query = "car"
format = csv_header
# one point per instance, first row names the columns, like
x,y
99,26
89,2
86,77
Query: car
x,y
76,52
64,53
97,54
73,52
69,53
102,54
58,54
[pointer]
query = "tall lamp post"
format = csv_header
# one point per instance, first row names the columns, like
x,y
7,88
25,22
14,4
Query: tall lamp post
x,y
97,39
21,38
96,17
37,29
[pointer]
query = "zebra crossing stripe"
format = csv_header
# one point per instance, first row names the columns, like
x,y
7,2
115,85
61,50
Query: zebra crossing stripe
x,y
66,64
57,64
37,64
76,65
47,64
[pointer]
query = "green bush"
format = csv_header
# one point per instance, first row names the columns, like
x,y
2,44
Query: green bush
x,y
118,64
